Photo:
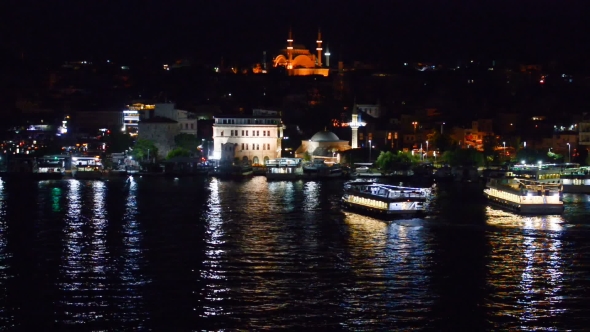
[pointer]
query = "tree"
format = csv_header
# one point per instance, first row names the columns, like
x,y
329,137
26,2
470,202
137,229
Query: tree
x,y
388,160
306,156
143,148
460,157
442,142
118,141
188,142
489,149
178,152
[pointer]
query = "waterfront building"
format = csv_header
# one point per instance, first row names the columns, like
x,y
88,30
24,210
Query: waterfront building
x,y
252,138
161,131
132,115
324,145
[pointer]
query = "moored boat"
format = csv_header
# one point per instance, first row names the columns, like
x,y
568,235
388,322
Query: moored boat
x,y
384,200
284,169
87,168
525,196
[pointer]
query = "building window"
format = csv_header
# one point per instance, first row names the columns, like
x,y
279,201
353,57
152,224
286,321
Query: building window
x,y
268,145
242,146
242,133
221,133
257,133
264,133
268,133
257,147
246,133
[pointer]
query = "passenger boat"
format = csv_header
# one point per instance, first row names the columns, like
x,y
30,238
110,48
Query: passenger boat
x,y
525,196
384,200
87,168
576,180
284,169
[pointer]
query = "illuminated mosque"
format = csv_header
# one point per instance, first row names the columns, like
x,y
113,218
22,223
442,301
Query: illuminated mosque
x,y
299,61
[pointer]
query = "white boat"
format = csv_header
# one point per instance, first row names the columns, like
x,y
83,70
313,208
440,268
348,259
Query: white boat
x,y
284,169
576,180
384,200
525,196
87,168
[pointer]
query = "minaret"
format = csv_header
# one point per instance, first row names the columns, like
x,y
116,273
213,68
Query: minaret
x,y
355,125
319,48
290,49
264,60
327,54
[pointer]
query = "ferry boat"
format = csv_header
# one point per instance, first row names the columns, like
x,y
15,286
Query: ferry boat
x,y
87,168
576,180
384,200
525,196
284,169
319,169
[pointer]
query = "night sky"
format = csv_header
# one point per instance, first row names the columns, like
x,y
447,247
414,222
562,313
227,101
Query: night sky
x,y
240,30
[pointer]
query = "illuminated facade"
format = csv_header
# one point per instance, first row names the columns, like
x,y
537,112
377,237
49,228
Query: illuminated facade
x,y
299,61
255,138
324,145
355,124
132,115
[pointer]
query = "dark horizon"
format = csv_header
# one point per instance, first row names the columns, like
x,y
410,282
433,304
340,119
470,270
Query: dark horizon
x,y
241,31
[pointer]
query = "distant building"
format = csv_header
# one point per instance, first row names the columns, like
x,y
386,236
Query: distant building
x,y
324,145
132,115
374,110
250,138
187,121
161,131
584,133
299,61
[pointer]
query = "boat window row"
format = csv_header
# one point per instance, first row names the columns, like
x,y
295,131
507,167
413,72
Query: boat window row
x,y
368,202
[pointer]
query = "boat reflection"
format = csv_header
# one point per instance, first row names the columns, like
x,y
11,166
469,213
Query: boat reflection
x,y
390,259
526,269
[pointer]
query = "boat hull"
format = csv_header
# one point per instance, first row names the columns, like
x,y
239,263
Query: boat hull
x,y
525,209
380,213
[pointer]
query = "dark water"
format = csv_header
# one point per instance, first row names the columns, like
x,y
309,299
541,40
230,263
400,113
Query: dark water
x,y
202,254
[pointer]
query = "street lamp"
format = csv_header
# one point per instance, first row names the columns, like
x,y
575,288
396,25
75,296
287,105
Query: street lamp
x,y
426,150
441,127
504,143
415,123
369,150
569,153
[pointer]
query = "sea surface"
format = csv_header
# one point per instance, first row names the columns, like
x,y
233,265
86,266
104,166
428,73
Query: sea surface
x,y
205,254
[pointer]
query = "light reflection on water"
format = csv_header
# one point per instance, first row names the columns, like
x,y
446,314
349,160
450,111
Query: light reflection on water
x,y
130,300
527,269
258,255
5,316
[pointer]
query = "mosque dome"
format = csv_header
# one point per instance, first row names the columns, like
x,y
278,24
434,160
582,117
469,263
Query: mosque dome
x,y
324,136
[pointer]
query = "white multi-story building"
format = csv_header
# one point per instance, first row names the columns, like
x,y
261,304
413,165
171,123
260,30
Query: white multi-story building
x,y
256,138
132,115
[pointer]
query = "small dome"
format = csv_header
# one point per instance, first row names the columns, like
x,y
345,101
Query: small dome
x,y
324,136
